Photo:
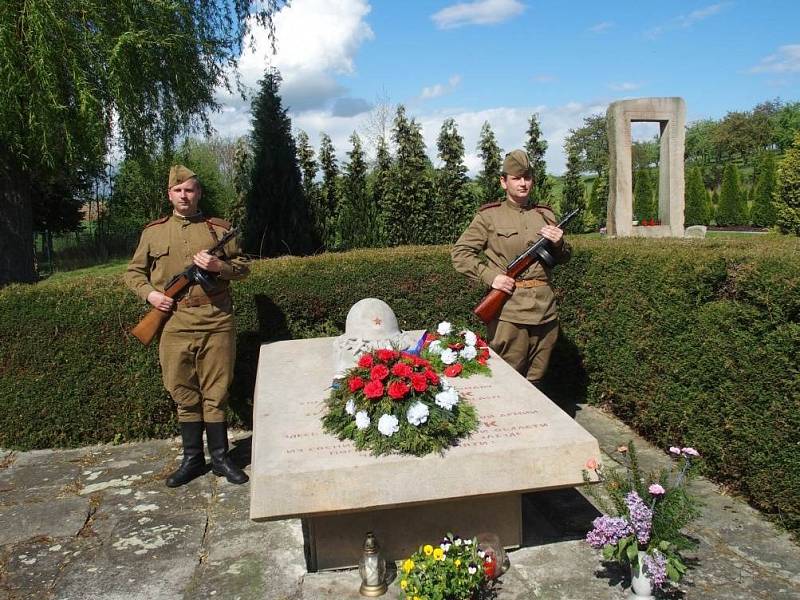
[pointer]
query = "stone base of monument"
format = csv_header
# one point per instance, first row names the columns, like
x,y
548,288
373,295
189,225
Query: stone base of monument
x,y
524,443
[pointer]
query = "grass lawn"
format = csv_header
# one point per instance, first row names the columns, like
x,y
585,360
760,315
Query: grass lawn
x,y
113,267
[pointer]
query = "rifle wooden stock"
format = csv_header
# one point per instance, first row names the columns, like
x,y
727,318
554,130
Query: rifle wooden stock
x,y
492,303
147,329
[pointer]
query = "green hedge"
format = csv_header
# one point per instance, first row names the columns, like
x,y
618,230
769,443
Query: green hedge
x,y
691,342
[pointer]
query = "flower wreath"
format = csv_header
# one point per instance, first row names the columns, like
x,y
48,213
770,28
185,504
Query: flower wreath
x,y
394,402
455,354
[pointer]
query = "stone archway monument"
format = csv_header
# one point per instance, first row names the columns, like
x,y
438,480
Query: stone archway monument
x,y
670,113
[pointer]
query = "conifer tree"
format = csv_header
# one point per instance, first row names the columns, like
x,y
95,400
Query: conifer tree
x,y
695,208
643,196
410,215
490,154
381,178
763,210
732,207
308,170
455,202
329,191
536,147
358,215
573,191
598,199
242,168
787,193
277,215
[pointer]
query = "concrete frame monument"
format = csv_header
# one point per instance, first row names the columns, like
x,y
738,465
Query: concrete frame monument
x,y
670,113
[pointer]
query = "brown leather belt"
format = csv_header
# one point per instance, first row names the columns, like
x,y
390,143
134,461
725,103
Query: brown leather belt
x,y
530,283
201,300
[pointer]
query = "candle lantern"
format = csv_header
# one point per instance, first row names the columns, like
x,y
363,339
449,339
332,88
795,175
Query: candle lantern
x,y
372,568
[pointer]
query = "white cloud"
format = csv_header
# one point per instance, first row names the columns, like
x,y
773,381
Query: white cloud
x,y
625,86
785,60
440,89
684,21
601,27
479,12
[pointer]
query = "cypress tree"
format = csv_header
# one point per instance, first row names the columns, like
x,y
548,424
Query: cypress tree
x,y
329,191
643,196
732,208
381,178
455,202
277,215
763,210
308,169
574,191
696,208
410,212
242,167
598,199
489,177
787,192
536,147
358,215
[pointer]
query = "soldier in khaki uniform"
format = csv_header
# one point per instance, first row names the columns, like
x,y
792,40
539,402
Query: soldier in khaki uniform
x,y
527,328
198,343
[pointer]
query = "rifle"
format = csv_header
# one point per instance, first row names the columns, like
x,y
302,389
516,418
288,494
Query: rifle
x,y
151,324
492,303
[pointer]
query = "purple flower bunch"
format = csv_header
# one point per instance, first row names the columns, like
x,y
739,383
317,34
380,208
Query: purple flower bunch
x,y
641,516
655,565
608,530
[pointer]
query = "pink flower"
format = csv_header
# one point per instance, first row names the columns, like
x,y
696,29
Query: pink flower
x,y
656,490
690,452
591,464
675,450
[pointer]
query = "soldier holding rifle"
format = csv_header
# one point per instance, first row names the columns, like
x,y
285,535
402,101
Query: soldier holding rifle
x,y
198,342
526,329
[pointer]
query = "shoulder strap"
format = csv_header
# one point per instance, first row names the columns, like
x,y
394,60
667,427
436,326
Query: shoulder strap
x,y
157,222
489,205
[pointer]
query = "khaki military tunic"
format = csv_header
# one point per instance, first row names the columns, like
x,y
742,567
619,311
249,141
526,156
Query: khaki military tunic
x,y
197,349
527,328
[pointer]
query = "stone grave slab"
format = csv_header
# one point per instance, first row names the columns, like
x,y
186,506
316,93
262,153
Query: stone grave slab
x,y
524,443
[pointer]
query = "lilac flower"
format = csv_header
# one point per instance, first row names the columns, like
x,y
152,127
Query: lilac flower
x,y
656,490
608,530
641,517
655,565
690,452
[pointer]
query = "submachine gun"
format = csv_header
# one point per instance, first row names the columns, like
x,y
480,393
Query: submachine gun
x,y
492,303
151,324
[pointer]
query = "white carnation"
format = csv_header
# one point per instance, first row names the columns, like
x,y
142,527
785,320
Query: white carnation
x,y
388,425
470,339
435,347
362,419
444,328
468,352
417,413
447,398
449,356
350,407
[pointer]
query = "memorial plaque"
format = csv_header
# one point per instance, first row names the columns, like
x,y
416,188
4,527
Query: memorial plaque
x,y
524,443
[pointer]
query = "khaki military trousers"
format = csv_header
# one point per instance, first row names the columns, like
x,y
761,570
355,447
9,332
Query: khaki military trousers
x,y
527,348
197,370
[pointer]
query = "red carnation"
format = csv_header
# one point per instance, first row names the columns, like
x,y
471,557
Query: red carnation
x,y
432,377
455,346
484,353
355,383
365,361
398,390
379,372
481,360
386,355
453,370
401,370
373,390
419,382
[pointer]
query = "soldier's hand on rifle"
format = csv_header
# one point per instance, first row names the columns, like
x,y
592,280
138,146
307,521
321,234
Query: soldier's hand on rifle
x,y
160,301
504,283
552,233
207,261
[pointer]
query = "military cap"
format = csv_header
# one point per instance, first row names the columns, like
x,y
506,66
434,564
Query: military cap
x,y
516,163
178,174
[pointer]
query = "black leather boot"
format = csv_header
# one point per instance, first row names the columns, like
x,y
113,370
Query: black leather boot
x,y
194,462
221,463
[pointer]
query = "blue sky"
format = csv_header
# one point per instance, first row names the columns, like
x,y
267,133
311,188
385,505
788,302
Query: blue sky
x,y
502,60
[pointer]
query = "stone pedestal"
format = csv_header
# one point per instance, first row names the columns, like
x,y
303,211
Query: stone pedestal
x,y
524,443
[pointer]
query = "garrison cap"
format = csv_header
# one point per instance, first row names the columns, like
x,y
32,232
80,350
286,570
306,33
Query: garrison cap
x,y
516,163
178,174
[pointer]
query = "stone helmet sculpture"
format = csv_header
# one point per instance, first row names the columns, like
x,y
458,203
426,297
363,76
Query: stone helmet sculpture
x,y
370,324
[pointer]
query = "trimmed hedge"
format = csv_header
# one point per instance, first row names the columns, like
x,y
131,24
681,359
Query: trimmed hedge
x,y
691,342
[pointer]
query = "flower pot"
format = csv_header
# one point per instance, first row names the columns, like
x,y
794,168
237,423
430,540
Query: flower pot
x,y
641,585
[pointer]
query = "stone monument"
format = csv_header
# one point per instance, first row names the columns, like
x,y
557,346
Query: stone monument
x,y
670,113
